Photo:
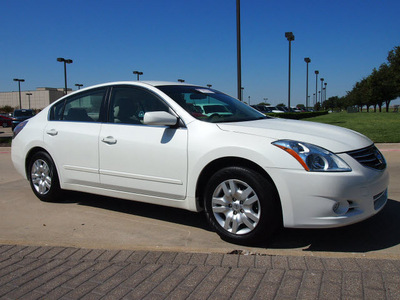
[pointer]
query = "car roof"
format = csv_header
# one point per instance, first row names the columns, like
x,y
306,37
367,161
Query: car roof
x,y
132,82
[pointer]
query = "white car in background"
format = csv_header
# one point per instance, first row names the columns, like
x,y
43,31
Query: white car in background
x,y
250,173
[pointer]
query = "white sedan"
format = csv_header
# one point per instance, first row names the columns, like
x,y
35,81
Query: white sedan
x,y
250,173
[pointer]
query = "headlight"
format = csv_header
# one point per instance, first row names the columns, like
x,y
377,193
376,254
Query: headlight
x,y
313,158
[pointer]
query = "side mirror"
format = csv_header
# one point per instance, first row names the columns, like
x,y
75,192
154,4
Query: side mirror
x,y
161,118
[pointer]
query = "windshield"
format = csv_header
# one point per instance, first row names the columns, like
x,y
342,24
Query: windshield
x,y
210,105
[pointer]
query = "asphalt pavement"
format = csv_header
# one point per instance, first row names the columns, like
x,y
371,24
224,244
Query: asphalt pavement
x,y
92,247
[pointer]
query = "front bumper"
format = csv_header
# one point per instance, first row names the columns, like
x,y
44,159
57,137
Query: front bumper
x,y
323,200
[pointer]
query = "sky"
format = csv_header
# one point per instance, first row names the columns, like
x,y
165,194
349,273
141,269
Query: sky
x,y
195,40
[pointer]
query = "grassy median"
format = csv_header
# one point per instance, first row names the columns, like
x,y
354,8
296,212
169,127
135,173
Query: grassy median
x,y
380,127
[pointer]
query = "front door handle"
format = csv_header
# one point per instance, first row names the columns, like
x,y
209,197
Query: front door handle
x,y
109,140
52,132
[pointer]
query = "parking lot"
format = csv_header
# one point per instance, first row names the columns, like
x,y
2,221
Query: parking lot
x,y
92,247
89,221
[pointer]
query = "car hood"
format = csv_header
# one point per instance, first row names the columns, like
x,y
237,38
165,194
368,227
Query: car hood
x,y
332,138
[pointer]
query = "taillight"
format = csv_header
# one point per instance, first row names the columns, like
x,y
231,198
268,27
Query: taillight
x,y
19,127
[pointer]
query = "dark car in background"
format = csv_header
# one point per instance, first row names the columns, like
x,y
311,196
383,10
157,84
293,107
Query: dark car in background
x,y
21,115
5,121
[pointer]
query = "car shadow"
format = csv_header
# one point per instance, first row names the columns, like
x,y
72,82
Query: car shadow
x,y
151,211
379,232
382,231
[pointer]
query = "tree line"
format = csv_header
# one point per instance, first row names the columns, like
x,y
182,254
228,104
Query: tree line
x,y
375,90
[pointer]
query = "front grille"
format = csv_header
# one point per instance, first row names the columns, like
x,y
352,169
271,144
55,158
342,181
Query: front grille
x,y
369,157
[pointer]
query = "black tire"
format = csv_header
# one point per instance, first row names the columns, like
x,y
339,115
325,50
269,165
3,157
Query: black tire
x,y
250,214
43,177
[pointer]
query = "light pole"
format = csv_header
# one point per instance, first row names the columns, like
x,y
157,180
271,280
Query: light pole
x,y
138,73
322,87
239,55
325,89
307,60
29,99
65,61
19,90
290,38
316,86
78,85
241,92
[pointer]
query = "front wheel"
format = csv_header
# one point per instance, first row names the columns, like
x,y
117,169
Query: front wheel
x,y
242,205
43,177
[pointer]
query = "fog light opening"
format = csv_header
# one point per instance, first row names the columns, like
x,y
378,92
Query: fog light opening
x,y
341,208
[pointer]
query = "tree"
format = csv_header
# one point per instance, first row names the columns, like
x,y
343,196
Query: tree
x,y
264,103
6,109
394,66
300,106
330,103
381,86
390,90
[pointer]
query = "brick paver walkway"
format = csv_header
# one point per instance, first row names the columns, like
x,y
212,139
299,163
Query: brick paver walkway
x,y
28,272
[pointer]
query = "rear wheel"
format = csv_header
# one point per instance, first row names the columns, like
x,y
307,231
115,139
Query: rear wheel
x,y
43,177
242,205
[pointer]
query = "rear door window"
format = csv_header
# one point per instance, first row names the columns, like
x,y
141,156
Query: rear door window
x,y
84,107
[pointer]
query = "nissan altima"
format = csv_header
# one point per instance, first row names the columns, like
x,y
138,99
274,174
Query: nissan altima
x,y
249,173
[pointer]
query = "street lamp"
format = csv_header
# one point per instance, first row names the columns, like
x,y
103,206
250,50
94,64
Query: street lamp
x,y
290,38
239,55
322,87
325,89
307,60
65,61
181,80
19,90
316,86
138,73
78,85
29,99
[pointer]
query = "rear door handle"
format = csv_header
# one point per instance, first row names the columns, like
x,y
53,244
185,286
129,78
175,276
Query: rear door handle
x,y
109,140
52,132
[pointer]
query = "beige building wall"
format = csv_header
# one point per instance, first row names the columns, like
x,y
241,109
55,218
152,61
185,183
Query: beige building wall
x,y
39,99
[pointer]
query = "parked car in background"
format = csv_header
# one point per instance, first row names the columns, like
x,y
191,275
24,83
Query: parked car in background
x,y
274,109
5,121
262,108
267,109
21,115
295,109
250,173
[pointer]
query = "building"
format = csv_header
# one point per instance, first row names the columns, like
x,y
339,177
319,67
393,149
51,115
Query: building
x,y
39,99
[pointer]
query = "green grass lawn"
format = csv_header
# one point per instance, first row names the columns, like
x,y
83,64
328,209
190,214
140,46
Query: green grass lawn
x,y
380,127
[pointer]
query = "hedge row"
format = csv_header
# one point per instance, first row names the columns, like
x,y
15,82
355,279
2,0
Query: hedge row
x,y
298,116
